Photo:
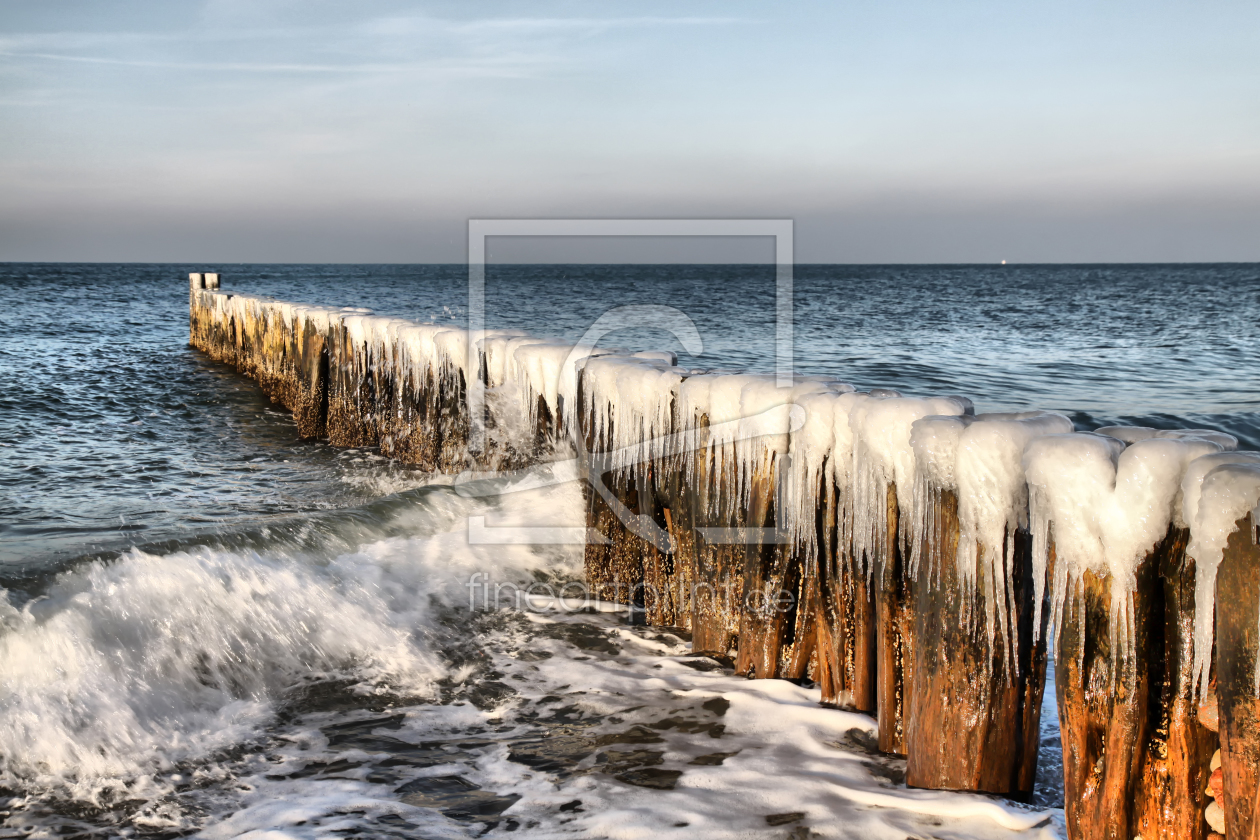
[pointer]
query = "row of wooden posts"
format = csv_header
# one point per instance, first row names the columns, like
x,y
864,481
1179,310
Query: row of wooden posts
x,y
1139,750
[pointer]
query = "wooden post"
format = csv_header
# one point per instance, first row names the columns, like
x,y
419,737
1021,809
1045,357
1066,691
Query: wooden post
x,y
613,563
777,612
1237,619
972,721
894,615
677,501
1104,700
718,574
1171,793
211,280
845,614
311,409
1135,756
350,390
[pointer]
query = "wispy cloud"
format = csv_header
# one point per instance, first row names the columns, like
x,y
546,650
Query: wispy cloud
x,y
505,66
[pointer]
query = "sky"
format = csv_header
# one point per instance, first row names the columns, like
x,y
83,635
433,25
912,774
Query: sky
x,y
890,132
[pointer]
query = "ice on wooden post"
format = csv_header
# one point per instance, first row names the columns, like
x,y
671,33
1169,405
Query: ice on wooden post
x,y
626,424
882,494
776,624
845,619
1224,536
1103,532
973,716
1210,528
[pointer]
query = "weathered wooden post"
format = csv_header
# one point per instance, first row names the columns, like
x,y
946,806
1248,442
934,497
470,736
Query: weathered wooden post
x,y
883,470
627,416
972,721
310,411
846,625
1223,543
712,405
776,634
1101,514
211,280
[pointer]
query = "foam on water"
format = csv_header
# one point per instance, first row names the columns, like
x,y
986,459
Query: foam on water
x,y
160,661
173,709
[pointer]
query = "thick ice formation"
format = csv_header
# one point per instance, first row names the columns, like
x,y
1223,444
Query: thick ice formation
x,y
1107,506
1217,491
883,456
1132,434
631,405
810,447
980,460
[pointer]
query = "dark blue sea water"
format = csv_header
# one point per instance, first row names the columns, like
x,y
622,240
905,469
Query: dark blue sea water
x,y
240,568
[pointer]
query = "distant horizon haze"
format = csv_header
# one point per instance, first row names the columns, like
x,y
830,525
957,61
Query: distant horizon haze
x,y
906,132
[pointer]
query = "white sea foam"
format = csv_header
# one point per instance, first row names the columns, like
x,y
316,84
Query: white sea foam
x,y
162,660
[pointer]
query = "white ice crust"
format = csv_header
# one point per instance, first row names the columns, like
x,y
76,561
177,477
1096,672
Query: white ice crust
x,y
1132,434
1106,506
1220,490
980,460
883,456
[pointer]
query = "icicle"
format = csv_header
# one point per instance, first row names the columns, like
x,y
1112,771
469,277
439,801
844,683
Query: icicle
x,y
1108,505
882,455
631,402
1217,491
811,449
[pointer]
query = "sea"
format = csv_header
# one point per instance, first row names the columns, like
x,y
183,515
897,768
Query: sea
x,y
212,628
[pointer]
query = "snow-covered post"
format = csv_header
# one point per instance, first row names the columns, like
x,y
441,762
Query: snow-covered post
x,y
350,386
845,624
972,721
310,339
626,420
1223,541
883,482
776,629
709,411
845,614
1104,531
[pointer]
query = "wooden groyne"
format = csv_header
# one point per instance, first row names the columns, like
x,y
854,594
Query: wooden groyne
x,y
919,562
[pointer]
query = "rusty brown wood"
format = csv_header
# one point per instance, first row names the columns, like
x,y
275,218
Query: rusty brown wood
x,y
1171,794
894,615
845,617
972,720
1104,699
1237,604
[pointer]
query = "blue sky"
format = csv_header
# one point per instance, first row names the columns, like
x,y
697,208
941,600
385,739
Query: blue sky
x,y
371,131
